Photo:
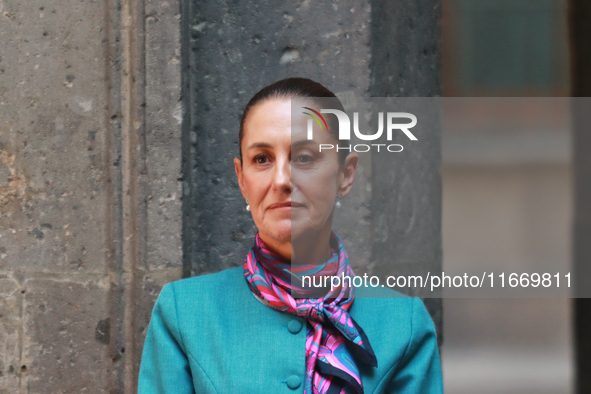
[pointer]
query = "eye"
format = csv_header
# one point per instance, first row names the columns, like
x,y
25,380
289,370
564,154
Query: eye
x,y
304,158
260,159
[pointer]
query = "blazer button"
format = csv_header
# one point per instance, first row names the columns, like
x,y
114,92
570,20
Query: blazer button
x,y
294,326
293,382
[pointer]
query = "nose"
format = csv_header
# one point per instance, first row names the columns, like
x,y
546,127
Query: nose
x,y
282,176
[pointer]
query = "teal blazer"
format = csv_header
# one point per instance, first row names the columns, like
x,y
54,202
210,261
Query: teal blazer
x,y
209,334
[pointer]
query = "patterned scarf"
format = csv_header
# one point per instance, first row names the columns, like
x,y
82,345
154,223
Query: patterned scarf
x,y
332,336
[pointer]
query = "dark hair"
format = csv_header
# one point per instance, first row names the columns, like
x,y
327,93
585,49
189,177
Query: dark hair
x,y
295,87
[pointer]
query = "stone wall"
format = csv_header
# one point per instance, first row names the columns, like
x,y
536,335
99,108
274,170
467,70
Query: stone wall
x,y
90,188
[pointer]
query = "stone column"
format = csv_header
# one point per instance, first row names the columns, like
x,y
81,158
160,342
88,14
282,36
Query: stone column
x,y
406,62
144,181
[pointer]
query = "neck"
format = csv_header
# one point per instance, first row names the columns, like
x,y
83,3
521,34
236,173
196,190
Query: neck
x,y
309,248
280,248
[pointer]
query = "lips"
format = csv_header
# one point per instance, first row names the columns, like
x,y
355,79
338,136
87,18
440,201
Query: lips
x,y
285,204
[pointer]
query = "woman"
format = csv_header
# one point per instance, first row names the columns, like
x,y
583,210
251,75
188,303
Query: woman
x,y
258,328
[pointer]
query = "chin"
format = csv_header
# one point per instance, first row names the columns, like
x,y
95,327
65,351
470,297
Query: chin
x,y
305,228
282,232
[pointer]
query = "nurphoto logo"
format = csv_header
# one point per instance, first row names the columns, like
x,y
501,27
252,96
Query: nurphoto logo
x,y
345,129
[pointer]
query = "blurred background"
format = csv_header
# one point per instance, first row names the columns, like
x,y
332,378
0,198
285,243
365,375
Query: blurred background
x,y
507,192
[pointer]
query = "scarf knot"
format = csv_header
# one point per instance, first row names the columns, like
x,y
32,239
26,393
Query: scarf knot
x,y
314,312
334,341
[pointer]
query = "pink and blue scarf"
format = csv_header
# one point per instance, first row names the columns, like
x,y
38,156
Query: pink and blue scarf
x,y
334,341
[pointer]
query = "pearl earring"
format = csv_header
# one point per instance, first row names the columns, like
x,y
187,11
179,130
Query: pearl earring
x,y
338,203
247,205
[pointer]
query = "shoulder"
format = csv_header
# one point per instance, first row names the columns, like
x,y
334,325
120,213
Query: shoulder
x,y
205,292
391,319
205,295
219,281
223,282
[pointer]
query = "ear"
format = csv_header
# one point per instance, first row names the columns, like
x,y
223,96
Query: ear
x,y
349,170
240,176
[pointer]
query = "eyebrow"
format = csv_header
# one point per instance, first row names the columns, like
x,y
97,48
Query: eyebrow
x,y
260,145
295,144
304,142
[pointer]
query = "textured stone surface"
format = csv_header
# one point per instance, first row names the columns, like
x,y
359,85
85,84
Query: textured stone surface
x,y
406,48
65,336
10,334
90,188
52,196
406,62
51,136
163,177
163,134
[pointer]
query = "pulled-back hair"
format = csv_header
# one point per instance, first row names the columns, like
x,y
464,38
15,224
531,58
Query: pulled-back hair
x,y
295,87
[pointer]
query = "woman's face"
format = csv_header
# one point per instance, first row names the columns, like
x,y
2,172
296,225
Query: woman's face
x,y
291,186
